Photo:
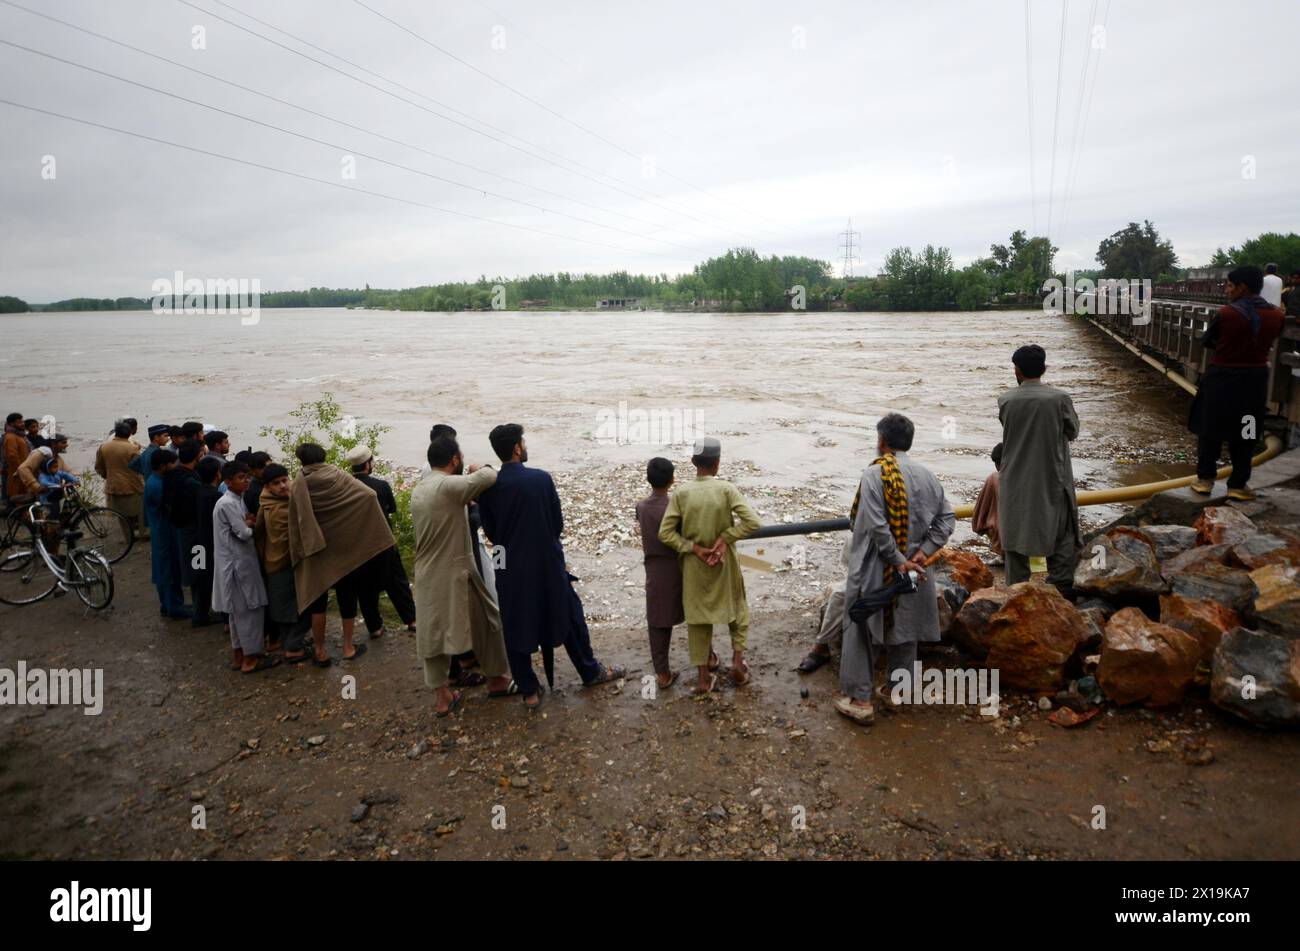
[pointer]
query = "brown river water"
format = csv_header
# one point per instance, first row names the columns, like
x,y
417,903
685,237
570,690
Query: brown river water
x,y
795,397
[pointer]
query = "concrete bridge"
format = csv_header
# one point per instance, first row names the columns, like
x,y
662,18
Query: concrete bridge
x,y
1170,341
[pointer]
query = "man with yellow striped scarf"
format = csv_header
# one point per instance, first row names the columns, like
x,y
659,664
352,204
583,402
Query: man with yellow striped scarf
x,y
900,517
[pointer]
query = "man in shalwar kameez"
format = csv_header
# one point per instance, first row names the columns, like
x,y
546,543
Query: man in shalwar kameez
x,y
237,586
539,608
454,609
165,556
1038,516
704,520
900,507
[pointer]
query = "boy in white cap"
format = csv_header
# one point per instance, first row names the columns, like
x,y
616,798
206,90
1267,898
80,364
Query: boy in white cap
x,y
703,521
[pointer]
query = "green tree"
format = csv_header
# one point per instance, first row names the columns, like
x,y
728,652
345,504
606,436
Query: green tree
x,y
1272,247
1135,252
974,287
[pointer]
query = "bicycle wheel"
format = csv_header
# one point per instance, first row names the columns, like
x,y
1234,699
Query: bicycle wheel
x,y
107,532
90,575
25,578
19,536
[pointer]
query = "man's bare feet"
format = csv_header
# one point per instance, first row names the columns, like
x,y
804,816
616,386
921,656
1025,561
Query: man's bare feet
x,y
666,680
499,684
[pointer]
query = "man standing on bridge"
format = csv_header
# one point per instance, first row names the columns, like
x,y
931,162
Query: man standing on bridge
x,y
1038,515
1233,394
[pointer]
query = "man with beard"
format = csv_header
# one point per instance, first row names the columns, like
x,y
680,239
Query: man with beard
x,y
454,609
539,608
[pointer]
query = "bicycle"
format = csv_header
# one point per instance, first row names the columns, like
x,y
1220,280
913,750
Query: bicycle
x,y
84,571
111,530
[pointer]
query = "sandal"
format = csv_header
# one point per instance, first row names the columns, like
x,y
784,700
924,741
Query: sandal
x,y
508,692
607,674
357,651
376,635
265,662
672,679
697,690
470,678
305,655
740,675
534,707
451,707
714,663
863,715
317,662
814,661
409,628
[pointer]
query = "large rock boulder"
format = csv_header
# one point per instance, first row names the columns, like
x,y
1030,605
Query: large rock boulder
x,y
969,629
1143,661
1205,620
1278,601
1202,555
956,574
962,568
1033,636
1223,525
1169,540
1120,564
1263,549
1256,676
1214,582
1095,619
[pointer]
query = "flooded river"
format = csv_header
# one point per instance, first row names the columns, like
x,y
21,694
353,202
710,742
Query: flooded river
x,y
795,396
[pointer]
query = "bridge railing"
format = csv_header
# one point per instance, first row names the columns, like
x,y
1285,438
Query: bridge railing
x,y
1173,335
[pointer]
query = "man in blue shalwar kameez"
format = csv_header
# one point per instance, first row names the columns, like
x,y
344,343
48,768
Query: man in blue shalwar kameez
x,y
539,608
164,552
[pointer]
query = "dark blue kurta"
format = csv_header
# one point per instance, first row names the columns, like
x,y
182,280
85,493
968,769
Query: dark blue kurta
x,y
538,604
166,555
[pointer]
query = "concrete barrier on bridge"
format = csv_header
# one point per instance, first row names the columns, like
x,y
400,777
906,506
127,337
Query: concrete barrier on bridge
x,y
1168,337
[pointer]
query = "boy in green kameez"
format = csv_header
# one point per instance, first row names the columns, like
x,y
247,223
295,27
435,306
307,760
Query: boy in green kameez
x,y
703,521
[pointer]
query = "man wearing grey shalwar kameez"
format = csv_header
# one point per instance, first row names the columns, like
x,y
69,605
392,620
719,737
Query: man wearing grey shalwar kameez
x,y
915,617
1038,515
237,585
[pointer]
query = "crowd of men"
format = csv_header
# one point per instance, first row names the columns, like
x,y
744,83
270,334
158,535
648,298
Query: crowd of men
x,y
260,552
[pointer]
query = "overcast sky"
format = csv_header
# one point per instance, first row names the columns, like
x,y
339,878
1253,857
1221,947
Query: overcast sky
x,y
704,125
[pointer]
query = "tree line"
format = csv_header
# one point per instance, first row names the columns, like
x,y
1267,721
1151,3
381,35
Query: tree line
x,y
1010,275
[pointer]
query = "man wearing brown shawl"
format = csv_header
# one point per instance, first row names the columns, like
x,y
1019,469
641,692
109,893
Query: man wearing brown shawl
x,y
335,528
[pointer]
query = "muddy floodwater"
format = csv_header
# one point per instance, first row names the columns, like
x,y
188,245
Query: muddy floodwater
x,y
794,396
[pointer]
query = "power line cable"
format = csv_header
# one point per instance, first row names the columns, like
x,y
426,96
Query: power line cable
x,y
588,172
1029,92
325,181
1056,118
343,148
346,124
1072,173
543,106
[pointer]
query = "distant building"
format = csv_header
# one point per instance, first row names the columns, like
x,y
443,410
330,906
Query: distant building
x,y
1207,273
618,303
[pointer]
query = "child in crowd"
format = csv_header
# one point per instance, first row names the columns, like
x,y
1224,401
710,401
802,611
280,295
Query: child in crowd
x,y
985,519
271,533
237,574
663,573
